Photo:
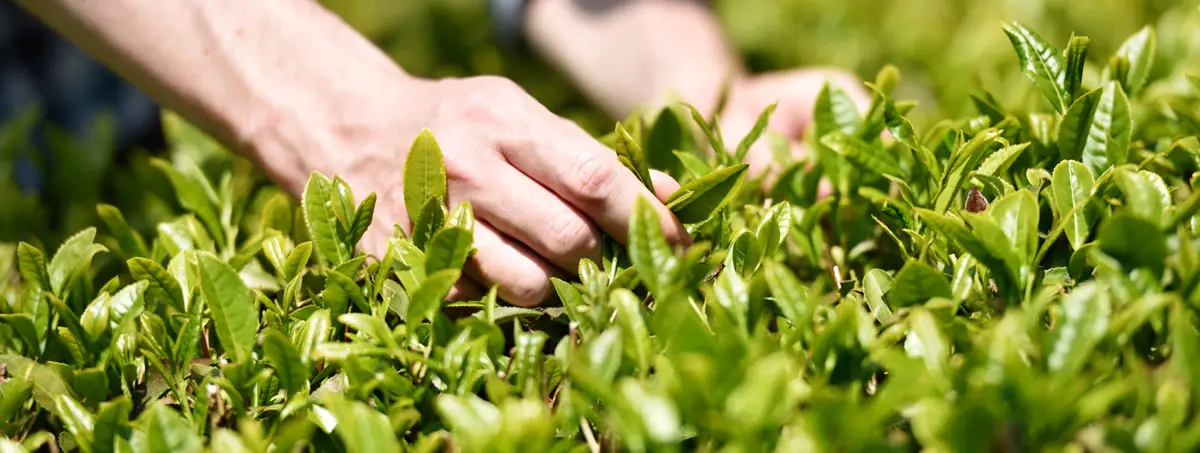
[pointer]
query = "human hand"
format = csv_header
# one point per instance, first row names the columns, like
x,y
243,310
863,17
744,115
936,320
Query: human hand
x,y
796,93
541,188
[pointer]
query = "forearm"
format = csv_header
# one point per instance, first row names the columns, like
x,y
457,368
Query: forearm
x,y
629,53
252,74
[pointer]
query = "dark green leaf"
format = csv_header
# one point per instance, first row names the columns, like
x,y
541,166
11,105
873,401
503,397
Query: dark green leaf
x,y
429,296
709,193
1076,123
131,244
161,285
648,249
1108,138
234,312
1072,76
431,219
72,259
167,431
321,221
870,157
1041,62
1133,240
448,249
362,220
916,283
289,368
32,265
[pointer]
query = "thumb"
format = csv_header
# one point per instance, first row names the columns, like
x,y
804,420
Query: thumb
x,y
664,185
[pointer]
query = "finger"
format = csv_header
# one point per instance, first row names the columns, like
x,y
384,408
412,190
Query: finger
x,y
523,279
524,210
466,288
664,185
587,175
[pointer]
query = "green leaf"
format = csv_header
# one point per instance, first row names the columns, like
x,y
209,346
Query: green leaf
x,y
321,221
1072,76
1017,215
745,254
361,428
1108,138
1072,188
362,220
1075,125
73,259
297,260
429,296
463,217
709,193
431,219
131,244
161,285
424,174
1082,324
343,202
648,249
868,156
289,368
312,333
234,312
76,418
14,393
629,149
476,423
665,137
1041,62
277,214
876,284
633,327
835,111
772,232
1139,50
760,125
711,131
340,291
793,300
167,431
1133,240
1146,195
111,420
22,324
448,249
32,265
195,193
692,163
916,283
998,162
962,161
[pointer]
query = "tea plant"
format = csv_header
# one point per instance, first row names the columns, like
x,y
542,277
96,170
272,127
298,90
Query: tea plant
x,y
1010,282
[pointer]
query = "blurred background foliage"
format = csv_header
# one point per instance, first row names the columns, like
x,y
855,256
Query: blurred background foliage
x,y
947,50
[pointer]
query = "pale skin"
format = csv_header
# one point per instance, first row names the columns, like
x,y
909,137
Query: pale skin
x,y
291,86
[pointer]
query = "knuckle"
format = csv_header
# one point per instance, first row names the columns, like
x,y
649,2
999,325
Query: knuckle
x,y
593,177
530,290
568,235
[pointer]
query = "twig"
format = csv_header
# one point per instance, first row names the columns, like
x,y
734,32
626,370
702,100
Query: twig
x,y
588,436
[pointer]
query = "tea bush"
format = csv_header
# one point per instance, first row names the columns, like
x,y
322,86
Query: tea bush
x,y
1006,281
